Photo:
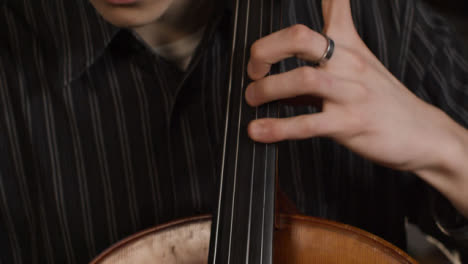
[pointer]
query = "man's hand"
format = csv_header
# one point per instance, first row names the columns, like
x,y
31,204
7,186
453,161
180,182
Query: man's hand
x,y
365,108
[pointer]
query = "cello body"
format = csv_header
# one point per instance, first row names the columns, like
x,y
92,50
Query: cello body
x,y
297,240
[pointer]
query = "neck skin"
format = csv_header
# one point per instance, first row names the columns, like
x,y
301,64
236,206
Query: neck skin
x,y
182,18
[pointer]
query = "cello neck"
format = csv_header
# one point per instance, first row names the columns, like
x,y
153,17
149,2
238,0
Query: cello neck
x,y
242,228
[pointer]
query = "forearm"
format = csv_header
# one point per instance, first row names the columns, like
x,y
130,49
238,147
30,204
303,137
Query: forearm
x,y
449,171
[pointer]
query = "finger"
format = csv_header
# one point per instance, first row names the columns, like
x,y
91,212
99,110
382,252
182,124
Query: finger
x,y
270,130
296,41
338,19
298,82
305,100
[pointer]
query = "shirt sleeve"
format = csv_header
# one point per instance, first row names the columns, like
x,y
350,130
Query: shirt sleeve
x,y
438,61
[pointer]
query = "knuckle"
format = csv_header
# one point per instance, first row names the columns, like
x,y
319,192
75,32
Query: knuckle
x,y
310,127
310,79
324,82
299,34
355,125
360,92
359,63
307,76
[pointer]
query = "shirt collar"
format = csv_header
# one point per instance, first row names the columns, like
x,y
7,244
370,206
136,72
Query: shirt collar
x,y
72,34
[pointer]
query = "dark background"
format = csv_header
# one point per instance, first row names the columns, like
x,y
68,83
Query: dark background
x,y
458,7
456,11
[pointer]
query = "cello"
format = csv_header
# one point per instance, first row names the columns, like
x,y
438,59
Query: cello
x,y
253,221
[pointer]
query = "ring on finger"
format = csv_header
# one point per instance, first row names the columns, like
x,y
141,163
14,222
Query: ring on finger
x,y
327,54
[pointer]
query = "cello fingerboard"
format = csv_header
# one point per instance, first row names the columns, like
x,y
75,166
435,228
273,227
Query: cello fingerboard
x,y
242,230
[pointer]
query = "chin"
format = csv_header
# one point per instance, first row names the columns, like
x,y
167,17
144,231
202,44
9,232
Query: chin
x,y
139,14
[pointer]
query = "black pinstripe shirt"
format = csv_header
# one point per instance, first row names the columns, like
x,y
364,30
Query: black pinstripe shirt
x,y
101,138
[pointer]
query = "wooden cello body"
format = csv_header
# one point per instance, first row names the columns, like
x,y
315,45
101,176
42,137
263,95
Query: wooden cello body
x,y
298,240
252,224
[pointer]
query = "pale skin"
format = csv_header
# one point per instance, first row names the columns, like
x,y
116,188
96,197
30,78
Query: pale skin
x,y
365,108
158,22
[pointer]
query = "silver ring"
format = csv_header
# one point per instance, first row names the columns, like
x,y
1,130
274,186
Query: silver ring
x,y
328,52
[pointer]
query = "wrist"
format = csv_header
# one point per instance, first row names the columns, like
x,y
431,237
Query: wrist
x,y
448,170
446,147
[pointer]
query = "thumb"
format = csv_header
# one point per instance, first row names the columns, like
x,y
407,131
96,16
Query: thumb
x,y
339,24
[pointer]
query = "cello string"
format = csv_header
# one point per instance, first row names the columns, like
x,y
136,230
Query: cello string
x,y
252,173
241,104
265,165
226,128
267,156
